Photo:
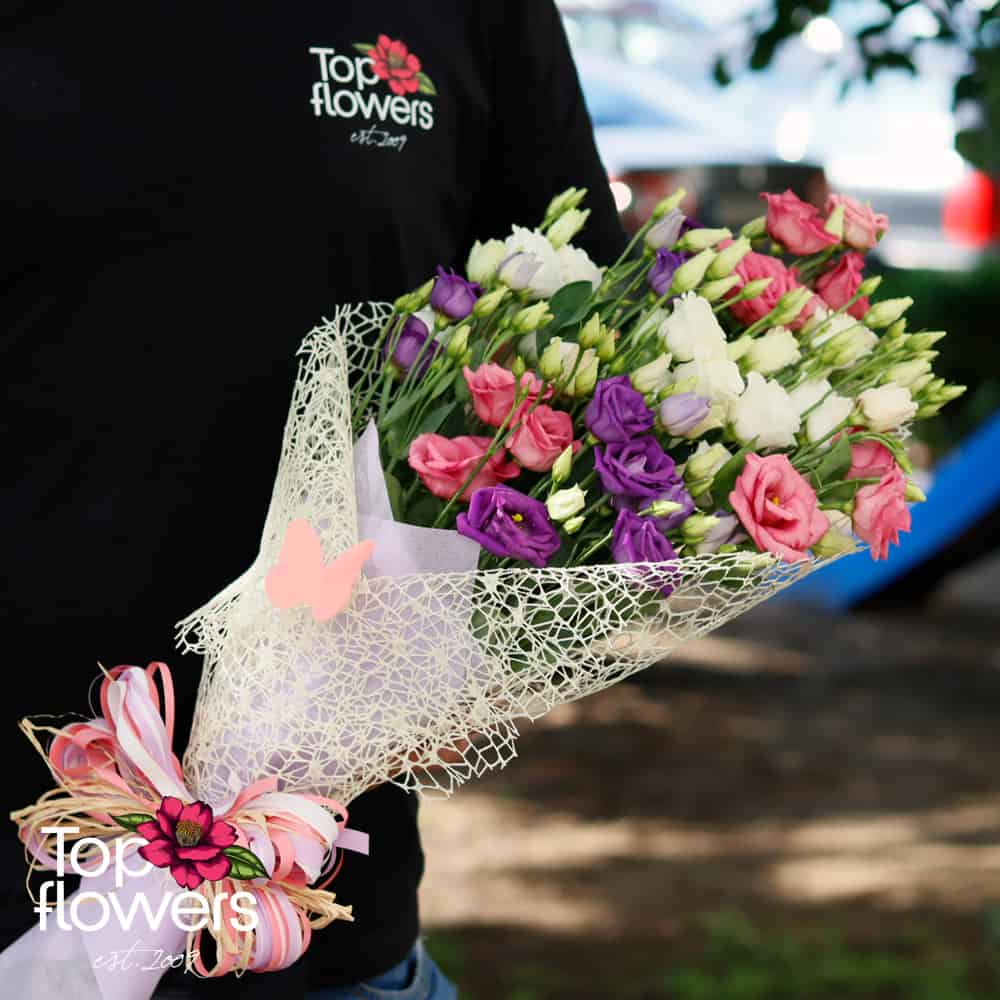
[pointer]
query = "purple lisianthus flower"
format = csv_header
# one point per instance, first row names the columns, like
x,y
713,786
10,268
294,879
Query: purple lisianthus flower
x,y
682,413
637,473
408,346
510,525
452,295
729,531
617,412
665,233
638,540
661,274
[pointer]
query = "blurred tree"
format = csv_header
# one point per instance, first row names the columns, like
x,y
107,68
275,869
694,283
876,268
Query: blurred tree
x,y
884,44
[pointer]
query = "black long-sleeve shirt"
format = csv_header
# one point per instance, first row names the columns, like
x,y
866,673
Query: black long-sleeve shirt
x,y
185,190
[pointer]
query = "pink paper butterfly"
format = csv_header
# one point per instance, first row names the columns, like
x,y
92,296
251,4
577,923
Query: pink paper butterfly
x,y
300,577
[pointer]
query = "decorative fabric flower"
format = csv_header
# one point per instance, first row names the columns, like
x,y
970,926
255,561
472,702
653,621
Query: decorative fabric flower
x,y
189,841
452,295
510,525
444,464
880,512
394,63
617,412
778,507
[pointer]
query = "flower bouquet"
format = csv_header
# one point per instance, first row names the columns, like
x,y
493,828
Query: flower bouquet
x,y
506,490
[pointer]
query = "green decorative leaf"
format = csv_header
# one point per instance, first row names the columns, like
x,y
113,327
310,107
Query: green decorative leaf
x,y
426,85
433,421
725,478
835,464
131,821
365,47
244,863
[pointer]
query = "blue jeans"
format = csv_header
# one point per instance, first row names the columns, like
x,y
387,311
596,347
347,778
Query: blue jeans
x,y
417,977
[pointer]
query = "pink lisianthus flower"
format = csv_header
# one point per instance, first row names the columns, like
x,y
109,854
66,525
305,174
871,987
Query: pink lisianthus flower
x,y
494,391
862,226
837,284
778,507
880,512
784,279
543,436
796,224
870,460
189,841
444,464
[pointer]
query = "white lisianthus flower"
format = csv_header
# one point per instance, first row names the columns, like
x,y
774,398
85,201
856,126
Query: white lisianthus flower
x,y
828,325
764,412
691,332
485,260
719,379
887,407
776,349
564,504
547,277
652,377
576,265
826,409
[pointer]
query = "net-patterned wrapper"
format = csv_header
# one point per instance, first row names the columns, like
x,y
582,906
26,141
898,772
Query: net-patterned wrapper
x,y
426,676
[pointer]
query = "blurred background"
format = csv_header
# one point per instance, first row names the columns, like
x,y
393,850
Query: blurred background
x,y
807,803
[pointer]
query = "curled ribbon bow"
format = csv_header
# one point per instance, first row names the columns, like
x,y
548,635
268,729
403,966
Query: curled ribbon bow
x,y
113,773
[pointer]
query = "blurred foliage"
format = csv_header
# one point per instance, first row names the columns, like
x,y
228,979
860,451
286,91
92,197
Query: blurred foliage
x,y
740,962
882,46
967,305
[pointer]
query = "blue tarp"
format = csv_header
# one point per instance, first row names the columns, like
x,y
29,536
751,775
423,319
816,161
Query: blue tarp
x,y
966,486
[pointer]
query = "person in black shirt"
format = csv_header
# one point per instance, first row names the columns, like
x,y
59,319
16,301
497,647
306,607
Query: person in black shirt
x,y
186,192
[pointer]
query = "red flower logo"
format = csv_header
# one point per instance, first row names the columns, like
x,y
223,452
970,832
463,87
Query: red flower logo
x,y
189,841
397,65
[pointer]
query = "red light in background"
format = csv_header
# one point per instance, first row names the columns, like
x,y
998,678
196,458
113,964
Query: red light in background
x,y
972,212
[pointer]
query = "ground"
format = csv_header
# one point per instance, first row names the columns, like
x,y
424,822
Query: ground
x,y
795,806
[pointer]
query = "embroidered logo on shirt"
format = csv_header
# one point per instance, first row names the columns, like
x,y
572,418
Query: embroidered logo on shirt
x,y
351,87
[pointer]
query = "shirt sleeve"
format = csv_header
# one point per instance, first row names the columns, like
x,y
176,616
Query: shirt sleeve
x,y
541,136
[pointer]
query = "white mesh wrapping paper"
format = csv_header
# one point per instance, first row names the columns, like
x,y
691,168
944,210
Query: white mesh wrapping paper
x,y
431,650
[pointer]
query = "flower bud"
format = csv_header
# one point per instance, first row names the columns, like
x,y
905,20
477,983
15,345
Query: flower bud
x,y
567,503
715,290
907,372
752,289
518,367
566,227
950,392
586,376
653,376
846,347
663,508
417,299
696,240
728,258
701,467
669,203
550,365
886,313
690,274
896,334
607,346
914,494
573,525
839,537
790,305
488,303
869,286
564,202
835,222
755,228
666,232
459,342
696,527
532,317
591,332
484,259
919,384
563,466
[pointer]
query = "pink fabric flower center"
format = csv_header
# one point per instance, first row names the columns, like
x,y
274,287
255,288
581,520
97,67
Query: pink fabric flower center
x,y
188,833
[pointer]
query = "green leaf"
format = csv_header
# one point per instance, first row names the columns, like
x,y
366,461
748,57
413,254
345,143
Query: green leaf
x,y
245,864
570,306
433,421
835,464
401,407
131,821
395,492
725,478
426,86
365,47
